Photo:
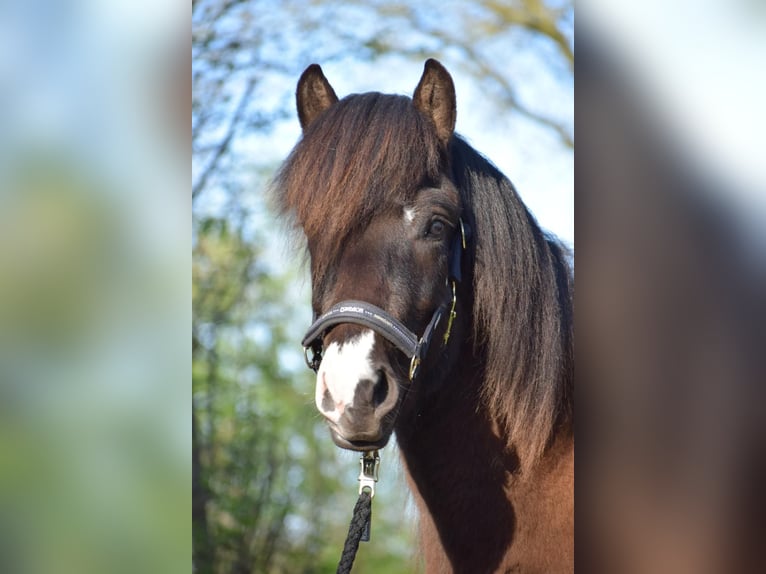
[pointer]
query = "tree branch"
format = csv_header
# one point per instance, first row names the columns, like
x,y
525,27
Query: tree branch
x,y
225,143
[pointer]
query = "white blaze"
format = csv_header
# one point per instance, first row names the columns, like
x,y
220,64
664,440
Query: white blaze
x,y
409,214
343,366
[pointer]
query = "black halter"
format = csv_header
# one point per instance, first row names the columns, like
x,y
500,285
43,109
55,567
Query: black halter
x,y
388,327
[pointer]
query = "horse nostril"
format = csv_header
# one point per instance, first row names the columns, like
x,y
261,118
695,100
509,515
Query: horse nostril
x,y
327,403
380,390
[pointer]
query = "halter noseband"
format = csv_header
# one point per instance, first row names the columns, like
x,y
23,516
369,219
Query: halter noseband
x,y
388,327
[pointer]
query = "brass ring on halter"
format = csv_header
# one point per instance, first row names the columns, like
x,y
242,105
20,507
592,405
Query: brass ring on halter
x,y
414,365
452,315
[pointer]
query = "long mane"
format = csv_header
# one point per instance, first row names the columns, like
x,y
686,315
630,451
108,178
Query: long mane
x,y
523,288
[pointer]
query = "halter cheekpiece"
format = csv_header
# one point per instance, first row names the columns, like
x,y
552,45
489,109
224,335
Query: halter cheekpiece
x,y
388,327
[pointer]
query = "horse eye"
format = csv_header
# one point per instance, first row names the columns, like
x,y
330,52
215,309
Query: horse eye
x,y
436,228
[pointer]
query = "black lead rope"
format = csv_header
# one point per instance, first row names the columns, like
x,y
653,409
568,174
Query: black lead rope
x,y
358,530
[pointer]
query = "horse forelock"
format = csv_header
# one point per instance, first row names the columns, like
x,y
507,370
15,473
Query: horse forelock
x,y
366,154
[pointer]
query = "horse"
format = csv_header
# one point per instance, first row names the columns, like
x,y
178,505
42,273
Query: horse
x,y
409,231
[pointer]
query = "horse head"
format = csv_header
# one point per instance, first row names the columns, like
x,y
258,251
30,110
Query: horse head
x,y
371,187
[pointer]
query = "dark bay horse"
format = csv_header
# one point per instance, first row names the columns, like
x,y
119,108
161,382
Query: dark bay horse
x,y
444,315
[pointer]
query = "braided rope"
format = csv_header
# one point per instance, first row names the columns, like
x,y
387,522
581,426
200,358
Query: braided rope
x,y
359,527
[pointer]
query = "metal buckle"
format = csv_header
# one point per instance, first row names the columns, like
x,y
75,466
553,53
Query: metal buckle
x,y
316,360
369,464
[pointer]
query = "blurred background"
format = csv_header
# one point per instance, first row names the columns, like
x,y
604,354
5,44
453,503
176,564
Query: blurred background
x,y
272,493
671,276
97,464
94,287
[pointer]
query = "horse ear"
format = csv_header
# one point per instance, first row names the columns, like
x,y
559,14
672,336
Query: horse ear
x,y
314,95
435,97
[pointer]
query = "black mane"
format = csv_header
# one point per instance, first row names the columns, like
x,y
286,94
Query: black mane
x,y
523,287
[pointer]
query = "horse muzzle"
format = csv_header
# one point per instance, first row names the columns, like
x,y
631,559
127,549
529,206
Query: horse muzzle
x,y
354,393
360,444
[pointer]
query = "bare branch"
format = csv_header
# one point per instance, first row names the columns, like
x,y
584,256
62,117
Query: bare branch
x,y
485,70
223,147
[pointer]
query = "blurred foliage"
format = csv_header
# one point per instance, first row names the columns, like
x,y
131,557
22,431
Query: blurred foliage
x,y
250,444
89,470
271,493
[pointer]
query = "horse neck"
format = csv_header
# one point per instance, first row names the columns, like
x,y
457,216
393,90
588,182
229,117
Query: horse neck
x,y
478,513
